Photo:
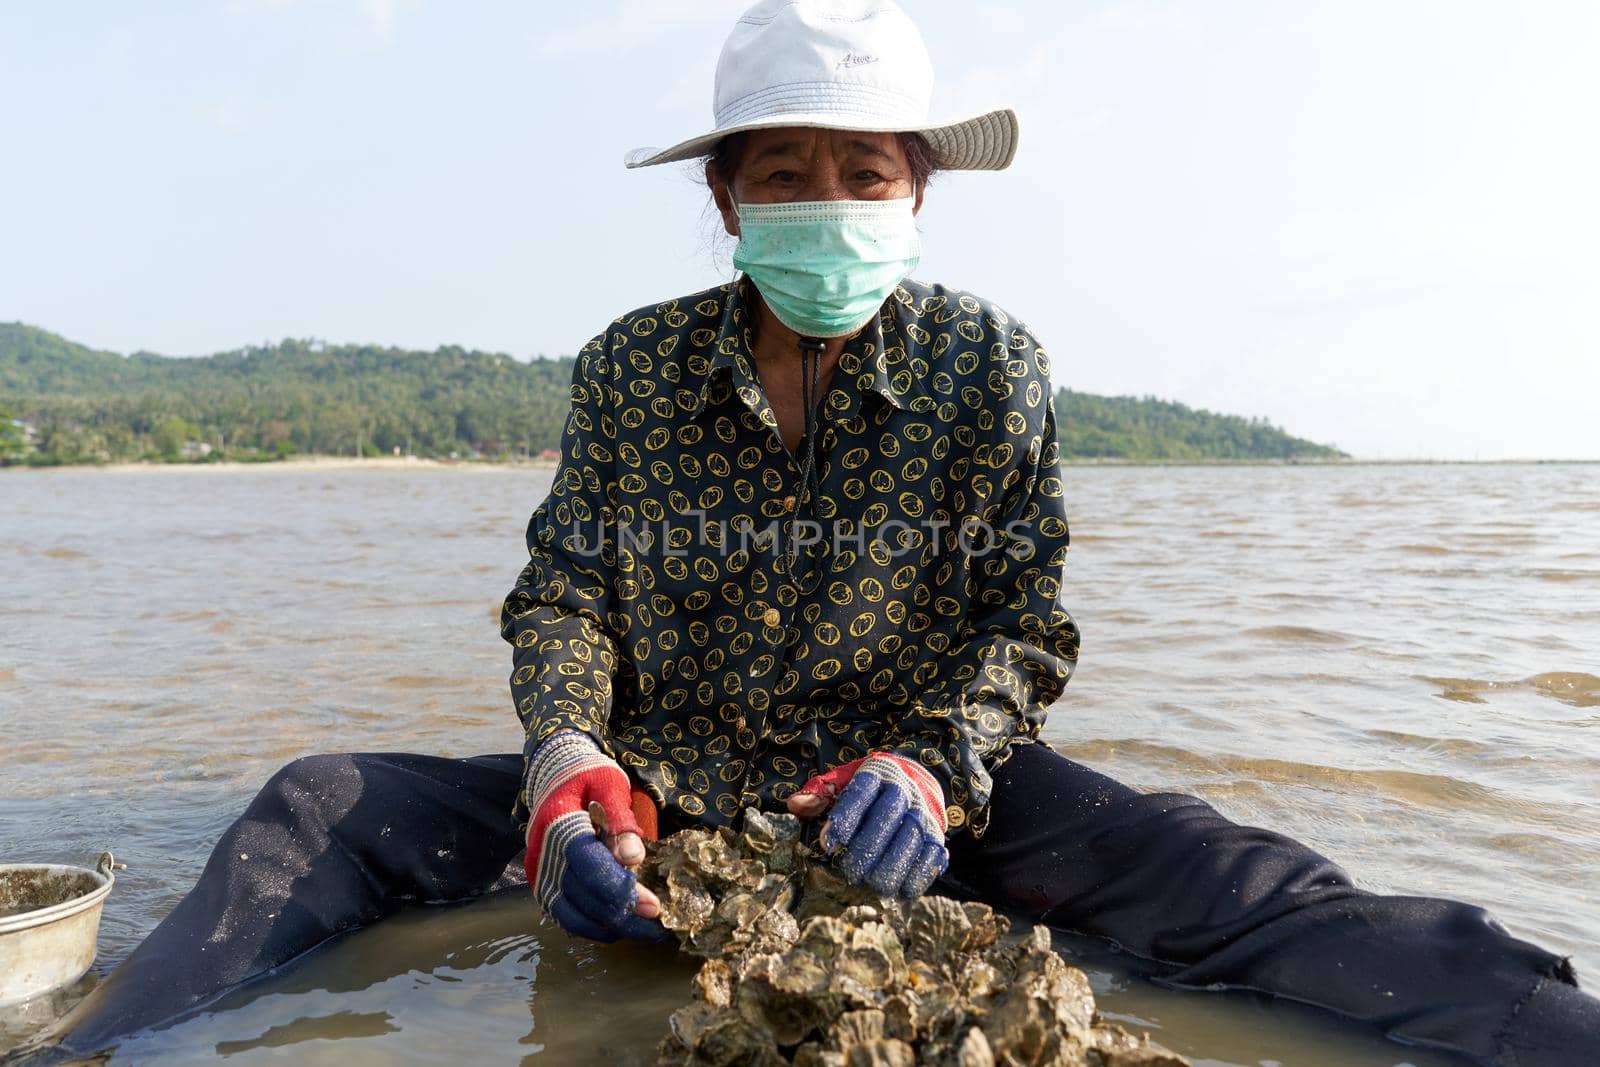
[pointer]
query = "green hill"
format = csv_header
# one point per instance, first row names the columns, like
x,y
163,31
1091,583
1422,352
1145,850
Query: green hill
x,y
260,402
1144,428
78,405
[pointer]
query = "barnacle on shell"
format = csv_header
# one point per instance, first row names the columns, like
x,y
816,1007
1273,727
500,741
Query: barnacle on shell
x,y
801,968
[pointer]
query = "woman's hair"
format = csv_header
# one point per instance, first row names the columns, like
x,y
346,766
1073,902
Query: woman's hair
x,y
725,157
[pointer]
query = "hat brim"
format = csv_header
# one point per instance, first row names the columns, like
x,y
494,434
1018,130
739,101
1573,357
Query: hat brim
x,y
982,142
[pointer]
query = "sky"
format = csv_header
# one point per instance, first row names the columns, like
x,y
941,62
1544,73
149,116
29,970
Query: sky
x,y
1374,223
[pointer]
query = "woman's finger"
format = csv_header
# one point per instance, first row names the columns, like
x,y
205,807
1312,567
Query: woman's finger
x,y
638,928
647,903
816,796
872,835
575,922
600,886
903,849
849,810
928,867
808,805
628,848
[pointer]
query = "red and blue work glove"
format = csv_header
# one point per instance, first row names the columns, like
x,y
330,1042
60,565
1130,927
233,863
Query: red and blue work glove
x,y
886,825
581,880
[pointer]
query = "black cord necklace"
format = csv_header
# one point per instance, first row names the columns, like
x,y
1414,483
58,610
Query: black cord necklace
x,y
811,350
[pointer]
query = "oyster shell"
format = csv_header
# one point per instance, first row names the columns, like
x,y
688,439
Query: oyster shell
x,y
802,969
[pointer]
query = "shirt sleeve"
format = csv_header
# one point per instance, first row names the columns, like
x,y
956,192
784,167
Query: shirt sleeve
x,y
1018,645
559,618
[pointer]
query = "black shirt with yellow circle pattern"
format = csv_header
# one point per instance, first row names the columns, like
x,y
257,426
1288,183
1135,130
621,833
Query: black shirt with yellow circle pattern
x,y
724,633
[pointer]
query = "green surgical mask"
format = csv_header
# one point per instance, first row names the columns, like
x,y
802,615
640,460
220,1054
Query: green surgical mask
x,y
825,267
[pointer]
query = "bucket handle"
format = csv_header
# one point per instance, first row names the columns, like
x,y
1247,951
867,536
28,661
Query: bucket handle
x,y
108,863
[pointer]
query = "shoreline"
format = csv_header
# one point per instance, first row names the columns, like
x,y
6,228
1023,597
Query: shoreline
x,y
302,463
414,463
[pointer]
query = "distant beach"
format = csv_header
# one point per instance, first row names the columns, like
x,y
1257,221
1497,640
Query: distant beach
x,y
416,463
314,463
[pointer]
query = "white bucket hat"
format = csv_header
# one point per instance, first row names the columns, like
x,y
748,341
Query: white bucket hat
x,y
837,65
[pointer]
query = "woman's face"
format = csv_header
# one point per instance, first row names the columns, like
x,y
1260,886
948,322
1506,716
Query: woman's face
x,y
802,163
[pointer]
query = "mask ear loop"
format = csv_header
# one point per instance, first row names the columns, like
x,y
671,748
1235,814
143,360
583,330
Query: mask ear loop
x,y
811,350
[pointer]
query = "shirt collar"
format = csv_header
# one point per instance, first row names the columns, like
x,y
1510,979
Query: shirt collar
x,y
875,360
733,349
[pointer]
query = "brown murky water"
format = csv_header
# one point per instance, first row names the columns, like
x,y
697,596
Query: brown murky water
x,y
1399,665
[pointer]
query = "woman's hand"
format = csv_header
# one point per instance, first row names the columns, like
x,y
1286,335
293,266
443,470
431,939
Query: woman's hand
x,y
887,825
583,881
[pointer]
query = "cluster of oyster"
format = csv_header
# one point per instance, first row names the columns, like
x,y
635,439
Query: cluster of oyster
x,y
803,969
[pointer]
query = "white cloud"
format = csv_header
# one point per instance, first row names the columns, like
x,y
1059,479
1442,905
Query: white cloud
x,y
1002,20
234,114
362,24
381,16
1032,85
1011,83
631,22
1137,16
250,7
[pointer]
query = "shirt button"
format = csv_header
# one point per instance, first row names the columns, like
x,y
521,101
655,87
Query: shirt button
x,y
789,502
773,617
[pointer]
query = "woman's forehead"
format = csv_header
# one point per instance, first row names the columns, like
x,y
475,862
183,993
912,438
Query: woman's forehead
x,y
807,140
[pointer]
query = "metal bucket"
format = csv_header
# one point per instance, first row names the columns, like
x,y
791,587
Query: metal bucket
x,y
49,922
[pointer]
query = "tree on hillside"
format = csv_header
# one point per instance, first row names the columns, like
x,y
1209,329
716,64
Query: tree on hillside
x,y
171,434
12,443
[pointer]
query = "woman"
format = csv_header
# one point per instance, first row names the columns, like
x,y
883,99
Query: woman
x,y
805,550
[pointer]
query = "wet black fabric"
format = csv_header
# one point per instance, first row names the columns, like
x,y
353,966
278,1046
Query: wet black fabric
x,y
331,843
1220,905
336,842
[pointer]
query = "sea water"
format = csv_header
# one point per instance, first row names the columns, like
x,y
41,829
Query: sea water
x,y
1399,665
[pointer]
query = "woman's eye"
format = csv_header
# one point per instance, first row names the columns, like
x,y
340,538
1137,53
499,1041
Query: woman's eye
x,y
868,176
783,176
